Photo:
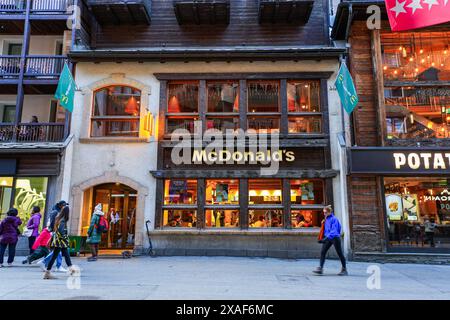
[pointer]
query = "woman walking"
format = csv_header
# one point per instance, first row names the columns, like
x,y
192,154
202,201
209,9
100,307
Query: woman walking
x,y
9,235
94,232
33,224
60,242
332,237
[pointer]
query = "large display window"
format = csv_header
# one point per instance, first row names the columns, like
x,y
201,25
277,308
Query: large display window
x,y
418,212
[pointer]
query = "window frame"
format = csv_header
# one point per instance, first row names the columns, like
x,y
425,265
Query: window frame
x,y
94,118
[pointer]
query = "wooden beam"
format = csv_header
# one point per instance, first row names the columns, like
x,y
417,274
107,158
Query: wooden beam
x,y
114,16
133,18
247,76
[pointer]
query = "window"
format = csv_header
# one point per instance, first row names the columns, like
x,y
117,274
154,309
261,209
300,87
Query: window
x,y
223,105
182,106
222,203
180,218
116,112
411,61
180,191
30,192
304,111
9,113
6,185
306,218
418,212
263,106
222,191
307,192
265,192
221,218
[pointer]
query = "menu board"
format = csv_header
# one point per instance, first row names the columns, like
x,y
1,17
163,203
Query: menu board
x,y
410,207
307,190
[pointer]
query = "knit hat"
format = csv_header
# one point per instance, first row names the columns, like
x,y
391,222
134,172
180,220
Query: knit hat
x,y
98,210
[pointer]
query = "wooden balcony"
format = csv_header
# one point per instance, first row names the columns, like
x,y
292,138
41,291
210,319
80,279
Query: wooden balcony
x,y
32,132
285,11
117,12
36,67
8,7
202,12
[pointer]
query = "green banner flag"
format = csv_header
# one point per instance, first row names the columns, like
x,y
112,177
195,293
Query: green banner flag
x,y
65,91
346,89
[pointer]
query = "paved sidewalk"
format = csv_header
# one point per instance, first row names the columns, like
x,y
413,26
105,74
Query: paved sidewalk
x,y
224,278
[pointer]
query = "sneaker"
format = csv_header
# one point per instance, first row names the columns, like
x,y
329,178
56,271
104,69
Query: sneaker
x,y
48,276
10,265
61,269
25,261
318,270
343,272
91,259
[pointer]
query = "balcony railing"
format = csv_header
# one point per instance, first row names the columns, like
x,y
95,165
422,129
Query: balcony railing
x,y
37,6
47,67
9,66
31,132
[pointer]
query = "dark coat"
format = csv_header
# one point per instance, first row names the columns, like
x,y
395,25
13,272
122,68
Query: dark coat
x,y
9,233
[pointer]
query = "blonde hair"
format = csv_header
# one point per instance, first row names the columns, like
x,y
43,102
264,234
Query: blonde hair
x,y
329,208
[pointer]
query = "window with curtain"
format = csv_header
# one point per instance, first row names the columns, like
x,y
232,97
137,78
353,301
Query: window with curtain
x,y
116,112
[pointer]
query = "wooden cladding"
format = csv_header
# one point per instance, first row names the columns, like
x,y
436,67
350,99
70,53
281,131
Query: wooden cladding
x,y
35,164
202,12
118,12
243,29
279,11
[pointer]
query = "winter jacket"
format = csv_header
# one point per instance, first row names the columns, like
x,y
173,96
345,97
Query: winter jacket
x,y
94,237
332,227
43,239
52,217
34,224
9,233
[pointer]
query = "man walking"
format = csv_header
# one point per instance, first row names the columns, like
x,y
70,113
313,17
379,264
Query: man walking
x,y
332,237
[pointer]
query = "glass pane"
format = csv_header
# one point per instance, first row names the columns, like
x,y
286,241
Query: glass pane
x,y
182,97
307,191
222,124
180,218
222,218
264,191
117,101
265,218
417,112
180,191
223,97
306,218
222,191
303,96
30,192
115,128
418,212
264,124
416,56
263,96
180,123
310,124
6,184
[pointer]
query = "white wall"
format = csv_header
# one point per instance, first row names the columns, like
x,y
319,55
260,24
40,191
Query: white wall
x,y
135,160
39,45
33,105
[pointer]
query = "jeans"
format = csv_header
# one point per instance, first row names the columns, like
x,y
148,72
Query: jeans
x,y
56,252
58,259
337,246
31,241
11,252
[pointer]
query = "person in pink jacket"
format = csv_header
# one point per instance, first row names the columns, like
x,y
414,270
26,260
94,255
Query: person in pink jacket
x,y
40,247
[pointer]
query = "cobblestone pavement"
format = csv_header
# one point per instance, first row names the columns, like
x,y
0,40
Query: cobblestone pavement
x,y
226,278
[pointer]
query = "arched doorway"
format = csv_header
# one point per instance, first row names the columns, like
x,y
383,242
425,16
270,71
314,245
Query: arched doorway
x,y
119,203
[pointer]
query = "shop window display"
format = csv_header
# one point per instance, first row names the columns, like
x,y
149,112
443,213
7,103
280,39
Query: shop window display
x,y
6,186
180,218
418,212
30,192
180,192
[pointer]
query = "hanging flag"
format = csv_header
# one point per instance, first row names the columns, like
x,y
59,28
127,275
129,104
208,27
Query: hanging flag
x,y
413,14
65,91
346,89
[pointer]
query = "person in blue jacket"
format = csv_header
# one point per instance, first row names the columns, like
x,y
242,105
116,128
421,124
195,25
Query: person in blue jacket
x,y
332,237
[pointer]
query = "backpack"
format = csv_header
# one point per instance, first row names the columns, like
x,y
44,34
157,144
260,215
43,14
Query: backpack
x,y
102,226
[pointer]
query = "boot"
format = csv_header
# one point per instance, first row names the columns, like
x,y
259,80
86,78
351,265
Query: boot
x,y
343,272
48,275
319,270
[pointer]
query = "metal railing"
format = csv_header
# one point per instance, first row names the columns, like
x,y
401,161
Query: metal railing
x,y
9,66
37,6
44,66
32,132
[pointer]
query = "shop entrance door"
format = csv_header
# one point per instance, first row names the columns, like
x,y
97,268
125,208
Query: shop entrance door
x,y
119,204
